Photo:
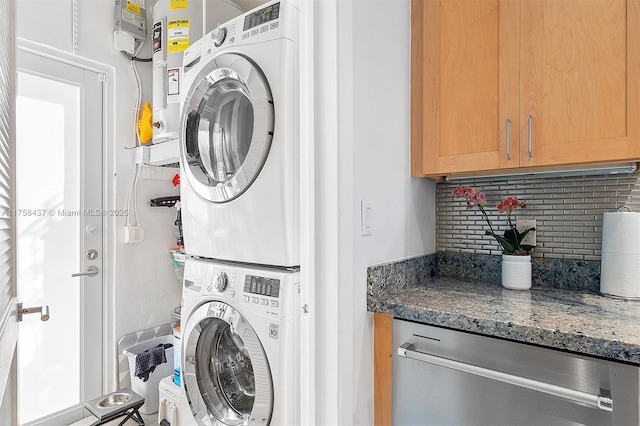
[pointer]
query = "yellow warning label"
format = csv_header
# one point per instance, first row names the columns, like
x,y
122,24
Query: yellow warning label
x,y
133,8
175,23
178,4
177,35
178,45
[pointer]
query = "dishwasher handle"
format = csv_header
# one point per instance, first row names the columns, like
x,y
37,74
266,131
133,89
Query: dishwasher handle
x,y
602,401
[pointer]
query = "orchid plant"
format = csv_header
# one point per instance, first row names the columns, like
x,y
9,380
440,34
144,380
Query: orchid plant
x,y
511,240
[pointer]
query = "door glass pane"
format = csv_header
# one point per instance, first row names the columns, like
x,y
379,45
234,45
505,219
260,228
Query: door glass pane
x,y
228,125
219,131
48,218
225,372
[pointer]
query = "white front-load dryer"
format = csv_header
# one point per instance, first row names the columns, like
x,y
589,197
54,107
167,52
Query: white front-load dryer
x,y
240,345
239,140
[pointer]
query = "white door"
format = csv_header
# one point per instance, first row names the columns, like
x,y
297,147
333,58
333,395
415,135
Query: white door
x,y
59,218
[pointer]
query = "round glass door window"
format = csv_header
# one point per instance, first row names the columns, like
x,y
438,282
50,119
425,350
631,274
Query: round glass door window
x,y
227,127
229,367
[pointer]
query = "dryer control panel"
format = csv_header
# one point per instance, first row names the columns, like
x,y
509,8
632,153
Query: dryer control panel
x,y
271,21
262,16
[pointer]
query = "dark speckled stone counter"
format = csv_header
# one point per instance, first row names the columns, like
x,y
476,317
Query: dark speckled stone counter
x,y
577,321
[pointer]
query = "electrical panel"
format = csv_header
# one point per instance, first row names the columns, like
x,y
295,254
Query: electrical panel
x,y
131,19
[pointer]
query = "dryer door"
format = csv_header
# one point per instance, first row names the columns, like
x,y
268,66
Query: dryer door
x,y
226,127
226,372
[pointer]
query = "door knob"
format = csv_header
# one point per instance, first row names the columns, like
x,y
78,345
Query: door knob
x,y
91,271
43,310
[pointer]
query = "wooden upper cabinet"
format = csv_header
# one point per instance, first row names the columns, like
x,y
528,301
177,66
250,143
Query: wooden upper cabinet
x,y
468,85
481,68
579,74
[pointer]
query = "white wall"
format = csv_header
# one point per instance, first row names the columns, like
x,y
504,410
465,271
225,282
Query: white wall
x,y
143,290
403,207
361,151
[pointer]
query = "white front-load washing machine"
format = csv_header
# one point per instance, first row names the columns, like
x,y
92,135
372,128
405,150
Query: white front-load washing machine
x,y
240,362
239,140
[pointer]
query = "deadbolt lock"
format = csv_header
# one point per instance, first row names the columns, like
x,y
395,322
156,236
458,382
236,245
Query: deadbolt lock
x,y
92,254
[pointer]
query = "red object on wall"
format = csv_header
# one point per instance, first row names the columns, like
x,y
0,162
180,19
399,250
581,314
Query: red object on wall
x,y
176,180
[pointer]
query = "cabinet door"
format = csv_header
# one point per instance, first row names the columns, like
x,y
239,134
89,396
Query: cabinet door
x,y
580,68
464,85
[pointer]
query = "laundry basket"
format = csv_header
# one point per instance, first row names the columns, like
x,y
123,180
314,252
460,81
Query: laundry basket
x,y
149,389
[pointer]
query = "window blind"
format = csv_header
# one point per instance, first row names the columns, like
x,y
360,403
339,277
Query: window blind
x,y
7,141
7,220
6,407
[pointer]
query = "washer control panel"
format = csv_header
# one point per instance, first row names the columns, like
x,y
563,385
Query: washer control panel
x,y
266,292
262,286
261,290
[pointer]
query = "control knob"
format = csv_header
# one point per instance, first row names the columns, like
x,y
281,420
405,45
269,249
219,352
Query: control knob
x,y
221,282
219,36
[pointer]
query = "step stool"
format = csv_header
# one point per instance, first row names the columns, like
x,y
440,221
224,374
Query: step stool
x,y
116,404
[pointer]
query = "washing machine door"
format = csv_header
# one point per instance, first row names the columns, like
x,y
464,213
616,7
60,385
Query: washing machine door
x,y
226,372
226,127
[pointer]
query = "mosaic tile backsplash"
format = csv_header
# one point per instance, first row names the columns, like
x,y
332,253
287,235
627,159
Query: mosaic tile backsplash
x,y
566,274
568,213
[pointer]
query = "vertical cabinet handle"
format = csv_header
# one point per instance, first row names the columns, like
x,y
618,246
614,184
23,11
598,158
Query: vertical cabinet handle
x,y
530,145
508,139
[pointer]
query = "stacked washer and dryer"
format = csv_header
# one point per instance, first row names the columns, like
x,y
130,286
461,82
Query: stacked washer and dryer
x,y
240,219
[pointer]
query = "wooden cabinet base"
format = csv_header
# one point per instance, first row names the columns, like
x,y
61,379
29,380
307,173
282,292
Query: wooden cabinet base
x,y
382,368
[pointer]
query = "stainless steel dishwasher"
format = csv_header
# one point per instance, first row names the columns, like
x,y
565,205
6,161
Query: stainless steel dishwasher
x,y
447,377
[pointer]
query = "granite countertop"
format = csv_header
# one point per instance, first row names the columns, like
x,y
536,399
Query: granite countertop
x,y
577,321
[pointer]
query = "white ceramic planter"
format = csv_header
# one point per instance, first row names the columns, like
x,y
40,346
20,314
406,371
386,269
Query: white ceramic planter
x,y
516,272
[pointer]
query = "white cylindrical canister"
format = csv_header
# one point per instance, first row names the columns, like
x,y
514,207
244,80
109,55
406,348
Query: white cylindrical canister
x,y
176,25
620,271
